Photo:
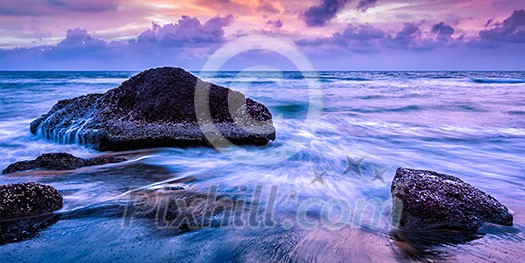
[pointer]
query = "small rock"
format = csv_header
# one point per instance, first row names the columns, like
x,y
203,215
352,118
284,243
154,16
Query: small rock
x,y
59,161
28,200
425,200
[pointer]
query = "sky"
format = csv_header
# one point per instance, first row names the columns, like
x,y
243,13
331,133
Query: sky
x,y
262,34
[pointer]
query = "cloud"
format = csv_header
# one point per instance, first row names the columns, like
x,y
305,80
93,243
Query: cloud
x,y
275,23
408,34
189,42
506,36
364,5
185,43
368,38
364,32
511,30
79,37
268,8
48,7
240,6
362,38
442,30
323,13
86,5
188,31
489,22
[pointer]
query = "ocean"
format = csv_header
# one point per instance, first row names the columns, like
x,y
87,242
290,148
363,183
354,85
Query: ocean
x,y
340,138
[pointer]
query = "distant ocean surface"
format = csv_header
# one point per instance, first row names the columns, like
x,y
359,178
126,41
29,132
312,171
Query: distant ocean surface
x,y
468,124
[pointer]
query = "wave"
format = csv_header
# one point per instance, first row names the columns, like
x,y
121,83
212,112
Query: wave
x,y
372,97
51,81
379,110
356,79
497,81
410,108
516,112
254,82
337,79
291,108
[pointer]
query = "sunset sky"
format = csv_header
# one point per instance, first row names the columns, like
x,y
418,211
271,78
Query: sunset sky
x,y
332,34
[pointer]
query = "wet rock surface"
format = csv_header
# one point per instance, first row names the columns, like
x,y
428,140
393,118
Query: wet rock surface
x,y
27,200
59,161
162,107
16,230
426,200
25,209
176,208
170,207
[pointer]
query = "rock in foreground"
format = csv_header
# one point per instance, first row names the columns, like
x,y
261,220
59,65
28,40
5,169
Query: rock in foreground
x,y
177,208
59,161
162,107
28,200
424,200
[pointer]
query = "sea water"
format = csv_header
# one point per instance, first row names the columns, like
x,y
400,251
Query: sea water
x,y
345,134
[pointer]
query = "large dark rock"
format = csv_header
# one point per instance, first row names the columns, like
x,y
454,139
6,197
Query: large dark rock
x,y
28,200
160,107
59,161
424,200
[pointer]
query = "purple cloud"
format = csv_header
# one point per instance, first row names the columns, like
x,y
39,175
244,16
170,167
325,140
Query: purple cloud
x,y
367,38
489,22
324,12
408,34
190,41
415,47
47,7
275,23
364,5
25,8
188,31
442,31
86,5
511,30
364,32
363,38
186,43
78,38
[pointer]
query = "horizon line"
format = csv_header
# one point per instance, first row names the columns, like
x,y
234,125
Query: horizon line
x,y
342,70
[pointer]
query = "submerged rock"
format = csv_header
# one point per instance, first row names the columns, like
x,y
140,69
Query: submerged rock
x,y
59,161
162,107
23,200
17,230
173,207
425,200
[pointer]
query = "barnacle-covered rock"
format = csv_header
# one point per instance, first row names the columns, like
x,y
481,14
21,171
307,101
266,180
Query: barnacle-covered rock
x,y
161,107
424,200
59,161
28,199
